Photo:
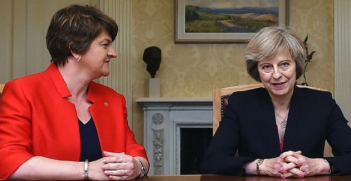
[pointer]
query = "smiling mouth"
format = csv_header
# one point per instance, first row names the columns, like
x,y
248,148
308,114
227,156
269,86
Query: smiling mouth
x,y
281,83
278,85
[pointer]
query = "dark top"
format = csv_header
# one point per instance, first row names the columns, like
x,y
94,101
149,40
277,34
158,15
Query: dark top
x,y
90,144
248,126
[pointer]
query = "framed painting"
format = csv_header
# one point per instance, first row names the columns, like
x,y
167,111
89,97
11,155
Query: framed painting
x,y
226,21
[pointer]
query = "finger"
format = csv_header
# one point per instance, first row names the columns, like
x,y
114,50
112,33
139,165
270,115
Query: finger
x,y
285,154
297,172
114,166
290,153
116,172
293,159
107,153
287,167
118,158
286,175
120,177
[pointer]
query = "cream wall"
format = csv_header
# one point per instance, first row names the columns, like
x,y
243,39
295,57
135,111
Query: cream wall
x,y
194,70
187,70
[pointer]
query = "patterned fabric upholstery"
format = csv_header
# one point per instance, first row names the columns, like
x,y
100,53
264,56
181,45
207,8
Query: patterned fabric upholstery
x,y
224,103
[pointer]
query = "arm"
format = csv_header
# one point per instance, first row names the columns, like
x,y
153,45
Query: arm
x,y
134,148
333,127
127,164
38,168
337,136
220,156
41,168
120,166
17,160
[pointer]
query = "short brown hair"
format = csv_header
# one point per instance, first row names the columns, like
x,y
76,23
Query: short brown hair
x,y
73,28
267,42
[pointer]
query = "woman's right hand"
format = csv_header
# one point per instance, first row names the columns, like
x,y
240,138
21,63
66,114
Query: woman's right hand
x,y
275,167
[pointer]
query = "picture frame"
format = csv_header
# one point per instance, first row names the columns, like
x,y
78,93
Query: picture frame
x,y
196,30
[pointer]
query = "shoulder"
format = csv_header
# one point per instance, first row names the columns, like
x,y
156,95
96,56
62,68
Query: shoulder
x,y
310,98
29,81
250,94
249,97
103,90
311,93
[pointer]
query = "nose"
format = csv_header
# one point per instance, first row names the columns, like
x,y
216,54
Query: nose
x,y
276,72
112,53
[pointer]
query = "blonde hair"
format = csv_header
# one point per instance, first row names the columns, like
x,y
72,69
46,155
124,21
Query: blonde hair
x,y
268,42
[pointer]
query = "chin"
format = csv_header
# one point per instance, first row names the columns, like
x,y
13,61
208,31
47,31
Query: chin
x,y
105,74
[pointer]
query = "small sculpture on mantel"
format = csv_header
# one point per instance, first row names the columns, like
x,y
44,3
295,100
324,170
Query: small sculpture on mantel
x,y
152,57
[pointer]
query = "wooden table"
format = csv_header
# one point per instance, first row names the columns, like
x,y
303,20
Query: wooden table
x,y
236,178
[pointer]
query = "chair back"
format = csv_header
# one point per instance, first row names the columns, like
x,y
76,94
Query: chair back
x,y
1,88
220,102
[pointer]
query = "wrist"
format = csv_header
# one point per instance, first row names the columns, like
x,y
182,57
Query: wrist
x,y
86,168
142,170
327,169
258,166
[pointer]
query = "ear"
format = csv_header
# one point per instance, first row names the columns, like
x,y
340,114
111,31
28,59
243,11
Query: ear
x,y
76,56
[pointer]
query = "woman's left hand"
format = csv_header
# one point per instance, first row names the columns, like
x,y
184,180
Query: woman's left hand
x,y
119,166
304,166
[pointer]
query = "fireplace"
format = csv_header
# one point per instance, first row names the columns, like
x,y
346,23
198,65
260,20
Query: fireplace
x,y
193,144
176,133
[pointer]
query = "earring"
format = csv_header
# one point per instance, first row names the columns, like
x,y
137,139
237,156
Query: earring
x,y
79,58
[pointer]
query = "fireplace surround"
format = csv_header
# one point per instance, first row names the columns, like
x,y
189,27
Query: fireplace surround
x,y
164,118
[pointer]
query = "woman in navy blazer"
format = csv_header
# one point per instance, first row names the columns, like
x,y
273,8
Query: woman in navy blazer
x,y
279,130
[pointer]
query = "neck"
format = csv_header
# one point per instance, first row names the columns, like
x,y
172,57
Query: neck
x,y
76,82
282,103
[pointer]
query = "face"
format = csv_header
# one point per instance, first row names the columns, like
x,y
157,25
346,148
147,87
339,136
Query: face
x,y
98,56
278,74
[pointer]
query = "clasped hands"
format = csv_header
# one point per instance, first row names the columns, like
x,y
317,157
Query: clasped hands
x,y
293,164
114,166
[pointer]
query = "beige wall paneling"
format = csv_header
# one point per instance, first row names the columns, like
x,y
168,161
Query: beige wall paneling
x,y
6,45
23,49
120,78
342,20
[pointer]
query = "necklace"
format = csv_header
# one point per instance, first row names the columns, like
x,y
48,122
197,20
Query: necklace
x,y
283,123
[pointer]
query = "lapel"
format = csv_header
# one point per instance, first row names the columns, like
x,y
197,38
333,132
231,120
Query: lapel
x,y
266,125
58,81
108,115
294,121
66,125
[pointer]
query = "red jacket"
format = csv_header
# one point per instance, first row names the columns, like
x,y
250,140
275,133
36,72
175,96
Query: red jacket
x,y
37,120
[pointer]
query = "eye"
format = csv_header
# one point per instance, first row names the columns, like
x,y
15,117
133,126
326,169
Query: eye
x,y
267,68
284,65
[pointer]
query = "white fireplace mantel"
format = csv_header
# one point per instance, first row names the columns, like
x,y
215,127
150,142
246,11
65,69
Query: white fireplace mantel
x,y
163,119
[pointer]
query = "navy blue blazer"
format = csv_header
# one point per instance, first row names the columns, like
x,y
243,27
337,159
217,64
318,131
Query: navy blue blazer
x,y
248,126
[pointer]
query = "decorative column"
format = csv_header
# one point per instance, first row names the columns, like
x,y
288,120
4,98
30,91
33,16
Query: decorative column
x,y
158,143
342,31
120,78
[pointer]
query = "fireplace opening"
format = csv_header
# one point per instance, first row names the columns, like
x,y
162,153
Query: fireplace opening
x,y
193,144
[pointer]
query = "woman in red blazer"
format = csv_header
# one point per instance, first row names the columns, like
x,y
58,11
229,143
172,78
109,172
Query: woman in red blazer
x,y
59,124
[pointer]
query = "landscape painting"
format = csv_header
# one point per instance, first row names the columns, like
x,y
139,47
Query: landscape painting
x,y
226,21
